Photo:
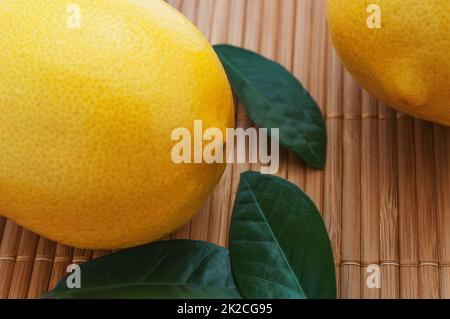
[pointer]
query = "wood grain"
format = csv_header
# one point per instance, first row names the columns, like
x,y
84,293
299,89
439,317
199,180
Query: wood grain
x,y
384,194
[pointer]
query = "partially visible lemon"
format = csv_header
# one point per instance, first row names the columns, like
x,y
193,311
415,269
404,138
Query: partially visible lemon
x,y
406,62
89,97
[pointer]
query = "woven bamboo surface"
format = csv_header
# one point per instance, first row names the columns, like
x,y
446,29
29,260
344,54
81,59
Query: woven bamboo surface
x,y
384,194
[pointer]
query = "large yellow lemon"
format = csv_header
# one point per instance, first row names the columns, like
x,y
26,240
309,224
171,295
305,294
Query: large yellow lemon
x,y
90,94
399,50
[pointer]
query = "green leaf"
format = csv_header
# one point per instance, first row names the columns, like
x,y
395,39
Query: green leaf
x,y
276,99
279,246
170,269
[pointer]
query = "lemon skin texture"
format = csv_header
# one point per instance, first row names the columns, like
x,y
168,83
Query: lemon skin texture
x,y
87,113
406,62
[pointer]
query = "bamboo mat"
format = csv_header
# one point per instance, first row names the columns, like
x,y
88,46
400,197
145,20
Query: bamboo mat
x,y
384,194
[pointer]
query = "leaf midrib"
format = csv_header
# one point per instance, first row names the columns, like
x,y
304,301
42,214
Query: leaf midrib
x,y
260,211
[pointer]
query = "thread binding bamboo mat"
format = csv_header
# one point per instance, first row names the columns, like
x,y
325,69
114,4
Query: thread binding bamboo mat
x,y
384,194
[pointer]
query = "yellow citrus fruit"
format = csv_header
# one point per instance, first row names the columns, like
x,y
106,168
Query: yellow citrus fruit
x,y
405,62
89,96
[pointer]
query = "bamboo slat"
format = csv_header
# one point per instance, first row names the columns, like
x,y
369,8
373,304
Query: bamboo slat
x,y
23,266
275,45
427,211
370,194
351,197
300,68
2,225
384,192
8,253
442,166
333,174
388,203
316,85
408,215
253,35
42,268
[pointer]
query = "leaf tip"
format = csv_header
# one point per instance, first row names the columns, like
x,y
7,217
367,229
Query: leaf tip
x,y
320,165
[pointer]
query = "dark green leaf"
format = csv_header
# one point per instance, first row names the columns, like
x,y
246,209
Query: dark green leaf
x,y
276,99
171,269
279,245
